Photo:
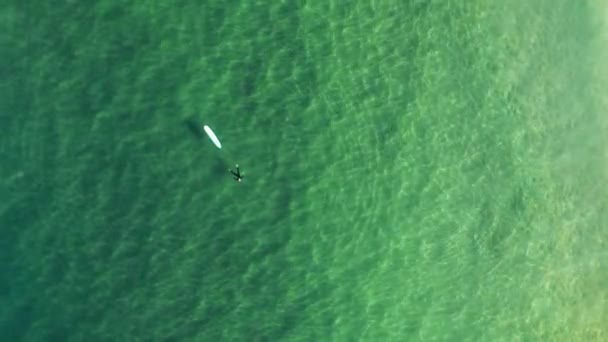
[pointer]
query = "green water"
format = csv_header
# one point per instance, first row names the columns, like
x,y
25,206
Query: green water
x,y
414,171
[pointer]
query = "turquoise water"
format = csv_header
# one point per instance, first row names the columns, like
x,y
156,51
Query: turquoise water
x,y
414,171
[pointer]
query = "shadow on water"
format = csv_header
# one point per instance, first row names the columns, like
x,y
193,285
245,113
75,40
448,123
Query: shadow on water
x,y
254,67
194,127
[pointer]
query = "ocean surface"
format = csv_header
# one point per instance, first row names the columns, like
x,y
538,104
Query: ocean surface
x,y
414,170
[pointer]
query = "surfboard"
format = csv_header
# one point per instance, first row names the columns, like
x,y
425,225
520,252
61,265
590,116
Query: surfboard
x,y
212,136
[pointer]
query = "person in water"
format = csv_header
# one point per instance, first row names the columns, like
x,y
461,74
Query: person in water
x,y
238,176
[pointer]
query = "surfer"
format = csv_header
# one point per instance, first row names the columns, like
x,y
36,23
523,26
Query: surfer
x,y
237,175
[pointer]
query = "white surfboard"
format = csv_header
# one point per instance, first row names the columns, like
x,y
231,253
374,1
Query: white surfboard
x,y
212,136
